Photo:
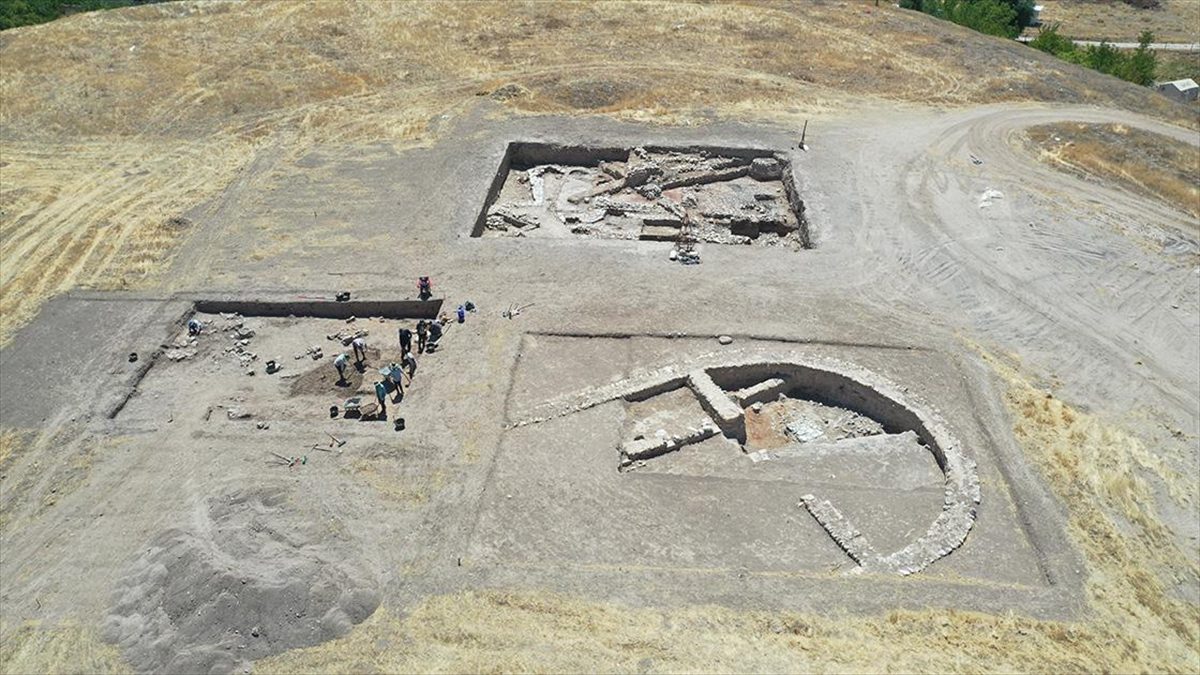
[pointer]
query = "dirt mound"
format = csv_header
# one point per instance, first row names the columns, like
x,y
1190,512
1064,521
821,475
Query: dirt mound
x,y
322,378
254,578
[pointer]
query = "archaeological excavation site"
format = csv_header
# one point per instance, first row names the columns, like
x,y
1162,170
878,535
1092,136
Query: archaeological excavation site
x,y
630,337
774,457
646,193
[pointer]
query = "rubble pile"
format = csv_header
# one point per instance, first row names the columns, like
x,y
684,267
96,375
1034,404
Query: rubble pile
x,y
234,325
345,337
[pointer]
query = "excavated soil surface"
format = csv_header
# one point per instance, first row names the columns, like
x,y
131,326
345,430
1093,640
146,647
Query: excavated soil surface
x,y
250,579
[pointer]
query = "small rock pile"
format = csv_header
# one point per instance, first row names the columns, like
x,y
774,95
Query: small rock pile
x,y
235,327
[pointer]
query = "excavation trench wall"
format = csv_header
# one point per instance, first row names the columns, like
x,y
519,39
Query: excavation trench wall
x,y
520,155
834,389
325,309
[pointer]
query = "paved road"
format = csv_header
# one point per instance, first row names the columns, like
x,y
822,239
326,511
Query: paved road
x,y
1156,46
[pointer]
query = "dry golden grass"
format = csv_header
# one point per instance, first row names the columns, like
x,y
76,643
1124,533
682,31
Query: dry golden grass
x,y
35,647
1178,66
10,445
112,123
1116,21
383,473
1139,161
96,214
1096,469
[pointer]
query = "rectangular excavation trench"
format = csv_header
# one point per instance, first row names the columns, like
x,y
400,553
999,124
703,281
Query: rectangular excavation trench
x,y
325,309
712,194
303,309
703,515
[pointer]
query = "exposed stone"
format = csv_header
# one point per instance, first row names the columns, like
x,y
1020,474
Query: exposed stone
x,y
766,168
803,430
763,391
650,190
840,530
714,400
641,173
725,339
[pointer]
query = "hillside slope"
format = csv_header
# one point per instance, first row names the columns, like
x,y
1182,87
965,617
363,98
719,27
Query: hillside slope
x,y
115,123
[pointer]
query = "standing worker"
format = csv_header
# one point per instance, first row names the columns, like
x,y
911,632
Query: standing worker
x,y
405,340
410,362
396,375
381,395
424,288
422,335
339,362
360,349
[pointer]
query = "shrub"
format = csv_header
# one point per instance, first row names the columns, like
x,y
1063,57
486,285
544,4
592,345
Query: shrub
x,y
14,13
1003,18
1050,41
1137,66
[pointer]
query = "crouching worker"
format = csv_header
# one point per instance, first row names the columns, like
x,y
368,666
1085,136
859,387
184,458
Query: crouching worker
x,y
435,334
194,326
360,349
406,336
340,362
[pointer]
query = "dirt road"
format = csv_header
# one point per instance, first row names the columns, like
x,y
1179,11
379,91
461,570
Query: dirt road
x,y
1154,46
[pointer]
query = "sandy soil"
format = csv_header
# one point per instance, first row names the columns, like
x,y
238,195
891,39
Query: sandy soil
x,y
1051,320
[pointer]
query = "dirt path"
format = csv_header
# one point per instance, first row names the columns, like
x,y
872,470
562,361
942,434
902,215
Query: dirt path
x,y
1155,46
1046,267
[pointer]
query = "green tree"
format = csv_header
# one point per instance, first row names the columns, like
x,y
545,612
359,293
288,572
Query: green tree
x,y
14,13
1024,10
1139,66
994,17
1049,40
1104,57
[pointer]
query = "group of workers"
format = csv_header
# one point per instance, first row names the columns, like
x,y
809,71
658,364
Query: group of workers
x,y
428,334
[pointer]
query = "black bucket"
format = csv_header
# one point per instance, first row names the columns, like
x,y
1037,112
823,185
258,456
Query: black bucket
x,y
399,424
333,411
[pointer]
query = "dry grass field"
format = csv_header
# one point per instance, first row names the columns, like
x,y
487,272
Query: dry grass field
x,y
1137,160
115,124
1178,66
1117,21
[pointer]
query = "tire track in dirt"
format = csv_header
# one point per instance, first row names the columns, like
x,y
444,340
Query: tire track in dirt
x,y
105,226
1104,320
